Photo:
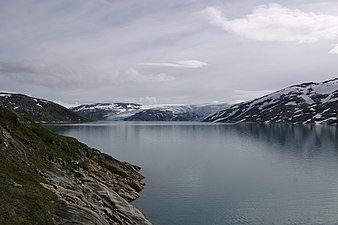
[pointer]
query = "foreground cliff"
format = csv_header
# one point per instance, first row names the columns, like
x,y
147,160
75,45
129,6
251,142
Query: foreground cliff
x,y
46,178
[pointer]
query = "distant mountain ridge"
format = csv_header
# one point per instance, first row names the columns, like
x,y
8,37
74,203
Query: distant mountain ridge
x,y
177,112
106,111
306,103
39,110
137,112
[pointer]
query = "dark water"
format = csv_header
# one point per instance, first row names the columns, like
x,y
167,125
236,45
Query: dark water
x,y
200,173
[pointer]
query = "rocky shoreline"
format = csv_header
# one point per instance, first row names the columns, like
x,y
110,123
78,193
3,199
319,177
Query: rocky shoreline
x,y
98,194
71,182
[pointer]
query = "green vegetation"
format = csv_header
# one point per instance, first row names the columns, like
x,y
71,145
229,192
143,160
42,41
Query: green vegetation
x,y
30,154
22,199
27,149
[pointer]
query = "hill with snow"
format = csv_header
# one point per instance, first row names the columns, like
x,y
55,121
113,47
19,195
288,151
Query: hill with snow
x,y
307,103
107,111
40,110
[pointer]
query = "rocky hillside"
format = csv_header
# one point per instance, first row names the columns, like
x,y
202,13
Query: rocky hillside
x,y
46,178
307,103
107,111
176,112
39,110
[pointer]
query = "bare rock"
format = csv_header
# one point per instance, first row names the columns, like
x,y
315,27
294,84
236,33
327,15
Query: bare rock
x,y
90,199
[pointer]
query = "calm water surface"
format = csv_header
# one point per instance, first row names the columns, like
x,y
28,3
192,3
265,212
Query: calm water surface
x,y
200,173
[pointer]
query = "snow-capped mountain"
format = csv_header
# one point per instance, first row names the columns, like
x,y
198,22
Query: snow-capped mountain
x,y
38,109
307,103
136,112
176,112
107,111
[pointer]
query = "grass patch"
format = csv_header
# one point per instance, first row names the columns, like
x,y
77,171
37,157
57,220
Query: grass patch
x,y
22,199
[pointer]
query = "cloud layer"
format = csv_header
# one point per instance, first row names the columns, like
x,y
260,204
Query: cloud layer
x,y
135,76
334,50
54,75
83,51
274,22
177,64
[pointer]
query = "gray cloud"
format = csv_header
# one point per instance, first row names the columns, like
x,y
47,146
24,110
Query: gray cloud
x,y
88,51
57,76
177,64
334,50
134,76
40,74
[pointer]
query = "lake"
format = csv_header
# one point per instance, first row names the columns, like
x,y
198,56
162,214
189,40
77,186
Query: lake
x,y
202,173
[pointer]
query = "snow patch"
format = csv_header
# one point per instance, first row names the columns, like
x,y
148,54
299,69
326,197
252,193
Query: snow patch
x,y
291,103
307,99
5,95
318,116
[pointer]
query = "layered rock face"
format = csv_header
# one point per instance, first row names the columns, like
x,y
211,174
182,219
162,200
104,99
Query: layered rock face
x,y
46,178
97,194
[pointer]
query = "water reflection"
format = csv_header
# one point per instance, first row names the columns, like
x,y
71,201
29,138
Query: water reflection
x,y
307,141
198,173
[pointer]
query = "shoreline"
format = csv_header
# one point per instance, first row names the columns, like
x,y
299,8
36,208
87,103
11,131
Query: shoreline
x,y
48,178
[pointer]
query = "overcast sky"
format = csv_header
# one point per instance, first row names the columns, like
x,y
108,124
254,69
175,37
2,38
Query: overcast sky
x,y
150,51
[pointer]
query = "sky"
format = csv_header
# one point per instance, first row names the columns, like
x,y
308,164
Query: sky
x,y
160,52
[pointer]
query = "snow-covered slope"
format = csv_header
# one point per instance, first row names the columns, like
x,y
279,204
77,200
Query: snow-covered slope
x,y
107,111
136,112
308,103
176,112
38,109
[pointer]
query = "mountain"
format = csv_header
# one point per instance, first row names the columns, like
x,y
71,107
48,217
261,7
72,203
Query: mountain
x,y
106,111
47,178
176,112
136,112
307,103
39,110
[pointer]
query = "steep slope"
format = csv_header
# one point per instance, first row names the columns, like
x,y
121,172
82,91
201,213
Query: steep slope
x,y
307,103
46,178
38,109
176,112
106,111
